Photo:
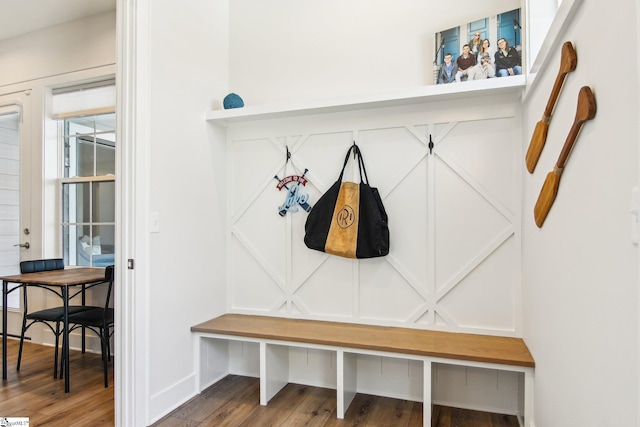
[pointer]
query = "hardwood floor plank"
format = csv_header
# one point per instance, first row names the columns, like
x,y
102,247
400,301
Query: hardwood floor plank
x,y
208,402
392,412
415,419
170,421
234,401
357,414
278,409
237,409
499,420
34,393
313,410
481,419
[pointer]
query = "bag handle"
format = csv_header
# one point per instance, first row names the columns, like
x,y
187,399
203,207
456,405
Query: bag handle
x,y
358,155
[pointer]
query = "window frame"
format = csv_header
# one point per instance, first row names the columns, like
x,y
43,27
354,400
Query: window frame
x,y
63,137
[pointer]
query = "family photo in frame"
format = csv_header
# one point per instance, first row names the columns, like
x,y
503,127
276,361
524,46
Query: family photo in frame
x,y
486,48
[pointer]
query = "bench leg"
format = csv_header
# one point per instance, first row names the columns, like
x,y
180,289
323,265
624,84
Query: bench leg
x,y
212,361
347,367
528,396
427,393
274,370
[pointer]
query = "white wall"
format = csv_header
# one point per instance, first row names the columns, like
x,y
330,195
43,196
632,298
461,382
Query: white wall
x,y
335,47
304,51
454,261
580,272
190,205
77,45
184,156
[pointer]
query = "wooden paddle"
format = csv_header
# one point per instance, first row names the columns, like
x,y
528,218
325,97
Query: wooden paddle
x,y
568,63
586,111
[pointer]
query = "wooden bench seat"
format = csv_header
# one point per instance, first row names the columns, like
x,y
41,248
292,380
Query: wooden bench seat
x,y
448,345
348,340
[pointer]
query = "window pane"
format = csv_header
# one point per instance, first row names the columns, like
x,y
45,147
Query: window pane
x,y
103,201
105,154
103,245
106,123
76,244
90,145
84,156
75,202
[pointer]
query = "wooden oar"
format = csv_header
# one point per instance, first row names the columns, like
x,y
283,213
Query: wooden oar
x,y
586,111
568,63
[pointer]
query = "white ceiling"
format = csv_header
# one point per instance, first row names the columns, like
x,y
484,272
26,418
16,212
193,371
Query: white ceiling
x,y
23,16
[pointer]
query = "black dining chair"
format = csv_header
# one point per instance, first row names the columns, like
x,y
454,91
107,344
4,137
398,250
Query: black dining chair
x,y
100,321
51,317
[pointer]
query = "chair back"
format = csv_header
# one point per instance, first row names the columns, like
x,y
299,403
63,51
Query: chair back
x,y
37,265
108,277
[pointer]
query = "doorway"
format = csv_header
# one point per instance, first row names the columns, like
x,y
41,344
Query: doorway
x,y
15,230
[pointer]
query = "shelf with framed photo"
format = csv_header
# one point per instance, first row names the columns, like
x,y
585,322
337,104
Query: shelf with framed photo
x,y
422,94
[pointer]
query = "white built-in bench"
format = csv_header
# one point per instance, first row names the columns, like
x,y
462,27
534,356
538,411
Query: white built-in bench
x,y
275,334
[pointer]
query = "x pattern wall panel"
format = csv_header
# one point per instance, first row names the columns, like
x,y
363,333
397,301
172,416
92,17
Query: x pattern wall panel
x,y
453,218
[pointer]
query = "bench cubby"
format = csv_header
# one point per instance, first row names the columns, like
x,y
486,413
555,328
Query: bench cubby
x,y
274,338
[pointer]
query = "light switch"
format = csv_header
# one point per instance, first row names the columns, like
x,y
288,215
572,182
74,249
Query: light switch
x,y
154,222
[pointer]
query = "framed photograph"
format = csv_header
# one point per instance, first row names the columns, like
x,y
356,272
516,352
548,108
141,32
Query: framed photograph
x,y
486,48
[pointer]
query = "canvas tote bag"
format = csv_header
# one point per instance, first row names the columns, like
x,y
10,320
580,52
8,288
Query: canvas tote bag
x,y
349,220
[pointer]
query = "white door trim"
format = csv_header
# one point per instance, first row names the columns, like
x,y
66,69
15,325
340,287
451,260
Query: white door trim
x,y
132,347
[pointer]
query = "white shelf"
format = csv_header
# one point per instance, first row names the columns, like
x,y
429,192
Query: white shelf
x,y
502,85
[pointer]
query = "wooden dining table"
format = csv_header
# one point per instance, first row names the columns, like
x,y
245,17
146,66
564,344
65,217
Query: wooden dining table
x,y
60,281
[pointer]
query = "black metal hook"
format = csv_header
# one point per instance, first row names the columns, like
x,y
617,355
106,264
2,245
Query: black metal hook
x,y
288,155
430,145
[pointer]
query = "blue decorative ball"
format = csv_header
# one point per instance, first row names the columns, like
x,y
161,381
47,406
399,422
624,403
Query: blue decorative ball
x,y
233,101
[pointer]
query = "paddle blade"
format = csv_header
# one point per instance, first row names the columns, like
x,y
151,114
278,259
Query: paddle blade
x,y
546,198
538,139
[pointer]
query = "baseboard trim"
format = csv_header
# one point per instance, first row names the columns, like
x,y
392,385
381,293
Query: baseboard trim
x,y
162,403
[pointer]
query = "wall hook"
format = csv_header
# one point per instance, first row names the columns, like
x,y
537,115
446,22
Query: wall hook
x,y
430,145
288,155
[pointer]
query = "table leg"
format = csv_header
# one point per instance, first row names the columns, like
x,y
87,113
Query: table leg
x,y
82,329
65,338
5,289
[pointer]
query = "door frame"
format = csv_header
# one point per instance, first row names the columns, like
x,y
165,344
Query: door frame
x,y
132,243
22,101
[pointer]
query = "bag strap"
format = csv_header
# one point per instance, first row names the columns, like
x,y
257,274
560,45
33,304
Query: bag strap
x,y
358,155
354,147
364,180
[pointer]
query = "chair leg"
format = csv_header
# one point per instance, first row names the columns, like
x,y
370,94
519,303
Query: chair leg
x,y
62,359
24,331
107,336
104,336
55,356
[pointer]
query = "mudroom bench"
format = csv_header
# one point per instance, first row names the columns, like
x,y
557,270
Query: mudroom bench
x,y
275,335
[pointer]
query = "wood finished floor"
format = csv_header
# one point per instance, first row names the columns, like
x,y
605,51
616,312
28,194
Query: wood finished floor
x,y
234,401
34,393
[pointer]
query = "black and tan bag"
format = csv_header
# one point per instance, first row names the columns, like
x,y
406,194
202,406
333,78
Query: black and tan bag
x,y
349,220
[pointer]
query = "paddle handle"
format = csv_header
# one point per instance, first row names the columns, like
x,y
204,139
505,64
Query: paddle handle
x,y
586,111
568,63
569,143
553,98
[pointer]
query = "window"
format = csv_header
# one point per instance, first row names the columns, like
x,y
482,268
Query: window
x,y
88,190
